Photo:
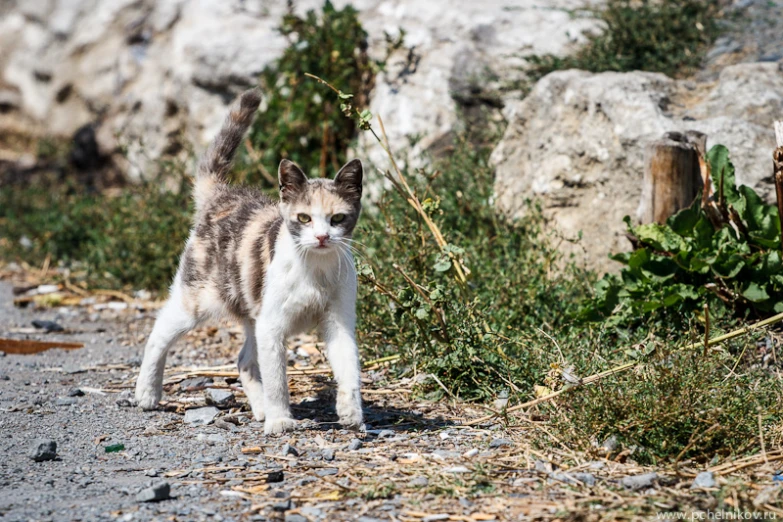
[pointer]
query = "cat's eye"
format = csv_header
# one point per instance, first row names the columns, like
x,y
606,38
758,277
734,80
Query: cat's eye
x,y
338,218
303,218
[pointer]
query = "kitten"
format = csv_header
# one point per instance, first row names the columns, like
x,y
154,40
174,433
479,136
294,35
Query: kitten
x,y
279,267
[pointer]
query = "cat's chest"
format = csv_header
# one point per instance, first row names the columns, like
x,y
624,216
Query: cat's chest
x,y
300,292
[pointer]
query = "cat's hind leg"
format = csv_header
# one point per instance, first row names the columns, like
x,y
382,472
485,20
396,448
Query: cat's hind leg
x,y
173,321
250,373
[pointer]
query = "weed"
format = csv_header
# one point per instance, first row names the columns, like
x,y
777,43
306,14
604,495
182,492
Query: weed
x,y
667,36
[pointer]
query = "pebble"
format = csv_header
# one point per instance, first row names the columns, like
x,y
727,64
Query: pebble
x,y
75,392
43,449
586,478
305,481
195,383
155,493
500,443
419,482
283,506
610,444
385,434
327,454
324,472
275,476
436,517
457,469
220,398
151,473
48,326
470,453
289,450
355,444
212,438
705,479
66,401
293,517
201,416
644,480
368,519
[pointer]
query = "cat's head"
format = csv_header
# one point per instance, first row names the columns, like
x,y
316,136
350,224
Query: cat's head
x,y
320,213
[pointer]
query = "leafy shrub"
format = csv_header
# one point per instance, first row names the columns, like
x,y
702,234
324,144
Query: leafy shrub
x,y
298,123
665,36
728,258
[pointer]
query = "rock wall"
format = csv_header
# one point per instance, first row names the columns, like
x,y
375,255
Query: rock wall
x,y
577,143
156,76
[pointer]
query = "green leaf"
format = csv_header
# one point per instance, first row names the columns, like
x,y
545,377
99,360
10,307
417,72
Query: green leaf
x,y
442,264
755,293
722,171
660,237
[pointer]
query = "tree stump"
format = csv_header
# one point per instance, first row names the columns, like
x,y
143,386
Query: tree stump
x,y
672,175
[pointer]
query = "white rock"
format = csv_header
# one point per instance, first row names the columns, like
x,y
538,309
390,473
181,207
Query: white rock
x,y
577,143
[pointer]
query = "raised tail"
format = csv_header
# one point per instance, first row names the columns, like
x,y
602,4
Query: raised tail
x,y
216,162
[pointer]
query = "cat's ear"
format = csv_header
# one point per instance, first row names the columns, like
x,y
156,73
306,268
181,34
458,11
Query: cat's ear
x,y
349,179
291,179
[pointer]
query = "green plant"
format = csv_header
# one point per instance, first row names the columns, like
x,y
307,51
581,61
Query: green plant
x,y
667,36
725,255
298,123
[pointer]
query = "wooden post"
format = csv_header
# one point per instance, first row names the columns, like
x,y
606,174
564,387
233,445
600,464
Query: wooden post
x,y
672,175
777,160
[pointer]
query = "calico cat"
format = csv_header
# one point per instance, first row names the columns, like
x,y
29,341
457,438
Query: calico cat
x,y
278,267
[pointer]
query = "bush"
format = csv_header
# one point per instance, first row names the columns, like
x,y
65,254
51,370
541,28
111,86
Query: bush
x,y
667,36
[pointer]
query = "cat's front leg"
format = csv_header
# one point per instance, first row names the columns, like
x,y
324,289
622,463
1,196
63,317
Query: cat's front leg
x,y
272,360
337,329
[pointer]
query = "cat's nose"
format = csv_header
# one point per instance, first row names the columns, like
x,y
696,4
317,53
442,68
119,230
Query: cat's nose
x,y
322,239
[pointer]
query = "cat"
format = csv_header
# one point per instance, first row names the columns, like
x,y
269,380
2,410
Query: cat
x,y
280,268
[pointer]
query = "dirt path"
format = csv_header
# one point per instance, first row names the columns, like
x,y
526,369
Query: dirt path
x,y
414,463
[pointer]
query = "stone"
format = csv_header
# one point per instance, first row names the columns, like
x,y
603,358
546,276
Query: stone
x,y
75,392
43,449
355,444
327,454
705,479
644,480
325,472
274,477
294,517
287,449
576,143
220,398
201,416
610,445
286,505
196,383
66,401
419,482
457,469
155,493
436,517
470,453
501,443
48,326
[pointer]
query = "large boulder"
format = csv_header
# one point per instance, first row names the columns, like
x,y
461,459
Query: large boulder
x,y
576,143
154,77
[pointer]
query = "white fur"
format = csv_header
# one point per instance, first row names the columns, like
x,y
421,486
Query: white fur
x,y
305,287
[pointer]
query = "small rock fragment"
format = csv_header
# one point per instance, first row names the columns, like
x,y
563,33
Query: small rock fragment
x,y
201,416
470,453
385,434
151,473
436,517
195,383
355,444
43,449
610,444
293,517
327,454
66,401
289,450
585,478
457,469
645,480
324,472
155,493
48,326
500,443
75,392
220,398
283,506
705,479
275,476
419,482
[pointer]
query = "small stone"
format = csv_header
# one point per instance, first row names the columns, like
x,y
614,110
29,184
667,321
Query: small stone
x,y
48,326
610,444
195,383
327,454
220,398
644,480
586,478
385,434
283,506
325,472
355,444
543,467
293,517
470,453
75,392
419,482
705,479
275,476
289,450
436,517
305,481
500,443
457,469
201,416
43,449
151,473
311,511
155,493
66,401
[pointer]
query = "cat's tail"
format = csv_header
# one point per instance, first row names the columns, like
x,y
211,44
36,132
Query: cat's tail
x,y
216,162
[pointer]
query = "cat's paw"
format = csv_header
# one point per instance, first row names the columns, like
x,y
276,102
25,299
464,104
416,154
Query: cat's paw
x,y
147,397
279,425
349,409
